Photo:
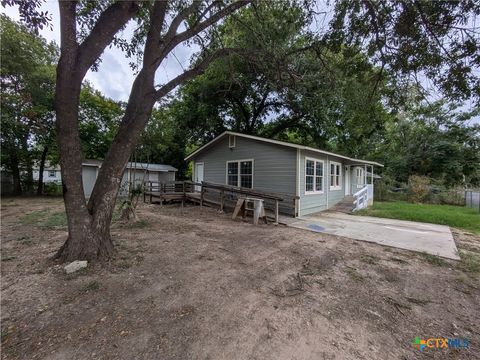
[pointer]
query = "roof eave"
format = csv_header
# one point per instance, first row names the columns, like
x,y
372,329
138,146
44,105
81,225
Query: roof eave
x,y
277,142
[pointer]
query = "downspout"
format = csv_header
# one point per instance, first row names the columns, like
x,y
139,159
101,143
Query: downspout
x,y
329,171
365,176
297,187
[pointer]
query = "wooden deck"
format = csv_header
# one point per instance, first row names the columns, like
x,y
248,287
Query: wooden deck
x,y
218,195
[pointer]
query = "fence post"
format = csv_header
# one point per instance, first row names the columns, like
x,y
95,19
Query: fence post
x,y
201,196
222,199
276,211
150,186
144,195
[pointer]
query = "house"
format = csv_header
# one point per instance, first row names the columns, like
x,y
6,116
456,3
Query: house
x,y
51,173
319,178
135,174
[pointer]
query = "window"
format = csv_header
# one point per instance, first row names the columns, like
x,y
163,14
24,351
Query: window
x,y
359,172
51,173
335,176
240,173
313,176
231,141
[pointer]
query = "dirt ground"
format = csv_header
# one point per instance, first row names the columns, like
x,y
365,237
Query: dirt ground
x,y
197,285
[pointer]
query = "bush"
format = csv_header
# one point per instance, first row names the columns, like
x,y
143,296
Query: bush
x,y
418,188
52,188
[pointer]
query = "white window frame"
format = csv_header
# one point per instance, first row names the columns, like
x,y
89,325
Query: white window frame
x,y
231,144
50,173
315,161
239,174
360,175
339,166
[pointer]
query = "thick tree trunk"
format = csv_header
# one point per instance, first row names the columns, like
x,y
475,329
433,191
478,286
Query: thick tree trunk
x,y
137,113
28,166
89,226
40,171
87,239
14,166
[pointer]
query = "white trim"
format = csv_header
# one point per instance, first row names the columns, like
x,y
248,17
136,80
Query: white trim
x,y
230,146
297,188
340,177
360,175
314,192
238,175
301,147
198,187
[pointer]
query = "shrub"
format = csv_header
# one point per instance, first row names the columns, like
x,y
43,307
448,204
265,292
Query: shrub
x,y
418,188
52,188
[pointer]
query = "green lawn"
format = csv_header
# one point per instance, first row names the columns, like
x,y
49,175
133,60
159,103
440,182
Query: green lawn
x,y
454,216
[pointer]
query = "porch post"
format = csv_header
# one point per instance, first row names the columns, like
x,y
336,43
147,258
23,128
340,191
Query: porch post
x,y
365,175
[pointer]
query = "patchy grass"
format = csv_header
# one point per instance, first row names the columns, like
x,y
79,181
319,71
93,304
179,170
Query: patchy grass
x,y
25,240
33,218
355,275
58,219
8,258
139,224
397,260
44,218
454,216
417,301
91,286
369,259
434,260
470,261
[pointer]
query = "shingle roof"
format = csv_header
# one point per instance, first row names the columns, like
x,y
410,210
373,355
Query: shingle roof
x,y
277,142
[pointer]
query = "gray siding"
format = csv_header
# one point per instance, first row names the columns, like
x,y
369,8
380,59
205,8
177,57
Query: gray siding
x,y
274,167
310,203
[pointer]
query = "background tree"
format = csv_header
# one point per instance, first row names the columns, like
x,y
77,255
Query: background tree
x,y
99,118
415,39
296,89
433,140
27,82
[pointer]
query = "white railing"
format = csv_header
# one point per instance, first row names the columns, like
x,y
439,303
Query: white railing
x,y
360,198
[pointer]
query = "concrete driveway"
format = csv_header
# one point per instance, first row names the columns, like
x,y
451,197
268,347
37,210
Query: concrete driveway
x,y
429,238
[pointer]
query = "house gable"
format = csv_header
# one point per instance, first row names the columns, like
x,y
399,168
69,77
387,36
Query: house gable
x,y
274,167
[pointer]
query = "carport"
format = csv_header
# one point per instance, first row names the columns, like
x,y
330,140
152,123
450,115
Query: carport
x,y
428,238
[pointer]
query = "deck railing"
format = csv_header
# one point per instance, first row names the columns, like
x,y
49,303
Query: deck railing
x,y
360,199
221,195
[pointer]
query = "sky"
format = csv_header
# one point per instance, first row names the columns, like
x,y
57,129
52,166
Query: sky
x,y
114,77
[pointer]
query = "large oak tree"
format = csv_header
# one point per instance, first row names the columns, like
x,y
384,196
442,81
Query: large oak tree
x,y
86,31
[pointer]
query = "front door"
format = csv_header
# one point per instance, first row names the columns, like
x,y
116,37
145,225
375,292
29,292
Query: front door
x,y
348,188
198,175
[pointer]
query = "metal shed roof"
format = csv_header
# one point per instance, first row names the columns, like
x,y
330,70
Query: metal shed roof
x,y
133,165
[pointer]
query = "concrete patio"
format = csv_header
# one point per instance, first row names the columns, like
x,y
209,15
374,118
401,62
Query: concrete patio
x,y
429,238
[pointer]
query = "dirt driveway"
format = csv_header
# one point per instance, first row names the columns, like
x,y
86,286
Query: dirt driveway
x,y
196,285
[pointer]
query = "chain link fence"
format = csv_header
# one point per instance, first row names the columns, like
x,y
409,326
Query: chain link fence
x,y
472,199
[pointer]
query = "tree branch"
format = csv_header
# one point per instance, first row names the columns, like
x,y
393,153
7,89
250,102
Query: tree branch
x,y
68,26
197,70
109,23
199,27
157,17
